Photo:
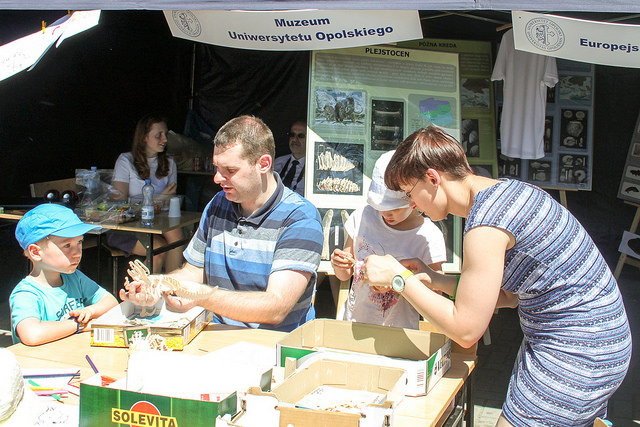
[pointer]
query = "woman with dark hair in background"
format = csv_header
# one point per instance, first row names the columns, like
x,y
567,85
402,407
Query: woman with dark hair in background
x,y
147,160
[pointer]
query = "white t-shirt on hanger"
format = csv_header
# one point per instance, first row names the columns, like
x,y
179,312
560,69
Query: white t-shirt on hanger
x,y
526,77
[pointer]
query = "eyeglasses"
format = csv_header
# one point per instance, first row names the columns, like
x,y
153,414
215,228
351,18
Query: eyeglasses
x,y
299,135
407,195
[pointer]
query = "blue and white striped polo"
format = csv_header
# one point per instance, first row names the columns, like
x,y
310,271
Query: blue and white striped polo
x,y
240,253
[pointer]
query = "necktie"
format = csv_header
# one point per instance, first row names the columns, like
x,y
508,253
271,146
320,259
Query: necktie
x,y
288,179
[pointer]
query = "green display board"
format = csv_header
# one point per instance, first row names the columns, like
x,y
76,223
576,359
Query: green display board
x,y
362,103
477,127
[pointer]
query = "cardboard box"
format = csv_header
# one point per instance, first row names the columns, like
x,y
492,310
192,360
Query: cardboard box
x,y
104,406
293,402
426,356
118,326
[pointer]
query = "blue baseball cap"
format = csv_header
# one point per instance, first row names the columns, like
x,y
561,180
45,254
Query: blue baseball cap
x,y
49,219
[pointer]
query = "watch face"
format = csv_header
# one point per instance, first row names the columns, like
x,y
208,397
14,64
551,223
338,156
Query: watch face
x,y
397,284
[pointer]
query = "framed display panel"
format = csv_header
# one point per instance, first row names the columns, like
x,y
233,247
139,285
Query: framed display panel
x,y
363,102
568,135
477,99
629,189
451,228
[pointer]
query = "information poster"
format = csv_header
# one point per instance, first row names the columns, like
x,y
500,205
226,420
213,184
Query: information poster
x,y
629,189
568,135
363,102
477,129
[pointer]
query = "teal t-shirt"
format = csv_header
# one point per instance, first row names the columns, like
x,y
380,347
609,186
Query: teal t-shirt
x,y
31,299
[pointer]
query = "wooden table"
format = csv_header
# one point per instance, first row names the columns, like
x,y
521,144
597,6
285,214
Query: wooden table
x,y
162,224
429,410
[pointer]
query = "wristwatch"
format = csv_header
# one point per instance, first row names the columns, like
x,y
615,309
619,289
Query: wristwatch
x,y
398,281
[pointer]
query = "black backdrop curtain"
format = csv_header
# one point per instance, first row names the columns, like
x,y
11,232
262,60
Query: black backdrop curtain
x,y
269,85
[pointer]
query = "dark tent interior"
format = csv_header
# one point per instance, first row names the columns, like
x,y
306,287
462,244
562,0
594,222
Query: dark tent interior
x,y
79,106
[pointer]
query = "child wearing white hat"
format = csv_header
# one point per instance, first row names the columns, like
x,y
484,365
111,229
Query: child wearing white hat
x,y
55,300
386,225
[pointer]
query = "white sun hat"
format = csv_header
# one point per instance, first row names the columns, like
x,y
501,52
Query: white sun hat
x,y
19,405
379,196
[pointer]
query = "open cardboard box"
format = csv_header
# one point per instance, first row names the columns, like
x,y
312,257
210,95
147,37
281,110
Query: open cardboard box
x,y
118,326
426,356
299,400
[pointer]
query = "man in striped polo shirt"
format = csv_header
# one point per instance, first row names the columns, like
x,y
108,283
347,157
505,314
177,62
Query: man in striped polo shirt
x,y
258,241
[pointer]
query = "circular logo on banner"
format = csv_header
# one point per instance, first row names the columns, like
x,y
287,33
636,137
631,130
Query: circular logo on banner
x,y
187,22
545,34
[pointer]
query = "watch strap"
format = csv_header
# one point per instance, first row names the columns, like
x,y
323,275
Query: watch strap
x,y
406,274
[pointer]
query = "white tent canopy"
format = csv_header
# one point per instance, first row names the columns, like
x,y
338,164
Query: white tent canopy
x,y
540,5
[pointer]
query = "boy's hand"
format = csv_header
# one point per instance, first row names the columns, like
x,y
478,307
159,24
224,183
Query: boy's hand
x,y
82,315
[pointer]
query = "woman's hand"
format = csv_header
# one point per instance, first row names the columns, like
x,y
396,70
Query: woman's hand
x,y
416,265
170,189
380,270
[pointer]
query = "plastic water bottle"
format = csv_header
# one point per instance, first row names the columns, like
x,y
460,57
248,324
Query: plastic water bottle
x,y
148,207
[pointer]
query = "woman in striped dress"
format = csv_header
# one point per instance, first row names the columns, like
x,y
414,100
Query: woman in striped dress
x,y
521,249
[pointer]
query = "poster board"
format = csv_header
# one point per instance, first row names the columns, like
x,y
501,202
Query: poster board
x,y
568,136
630,244
629,189
363,102
477,100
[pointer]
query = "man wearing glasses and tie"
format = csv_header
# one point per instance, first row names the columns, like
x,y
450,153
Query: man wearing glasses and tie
x,y
291,166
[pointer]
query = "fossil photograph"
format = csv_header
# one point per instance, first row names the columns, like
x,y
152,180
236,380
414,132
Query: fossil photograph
x,y
339,108
338,168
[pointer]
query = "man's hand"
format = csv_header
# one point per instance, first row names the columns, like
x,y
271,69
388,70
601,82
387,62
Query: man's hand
x,y
177,304
137,293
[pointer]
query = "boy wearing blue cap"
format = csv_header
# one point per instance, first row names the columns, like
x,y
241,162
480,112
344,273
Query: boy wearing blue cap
x,y
55,300
386,225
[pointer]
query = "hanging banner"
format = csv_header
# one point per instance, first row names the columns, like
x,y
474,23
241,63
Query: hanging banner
x,y
25,52
577,39
295,29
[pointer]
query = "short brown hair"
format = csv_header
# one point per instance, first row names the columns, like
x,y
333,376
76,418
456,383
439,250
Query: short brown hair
x,y
426,148
251,132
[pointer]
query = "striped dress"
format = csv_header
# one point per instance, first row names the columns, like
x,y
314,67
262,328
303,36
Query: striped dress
x,y
240,253
577,342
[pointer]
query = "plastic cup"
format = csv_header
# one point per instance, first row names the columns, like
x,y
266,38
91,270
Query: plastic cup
x,y
174,207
